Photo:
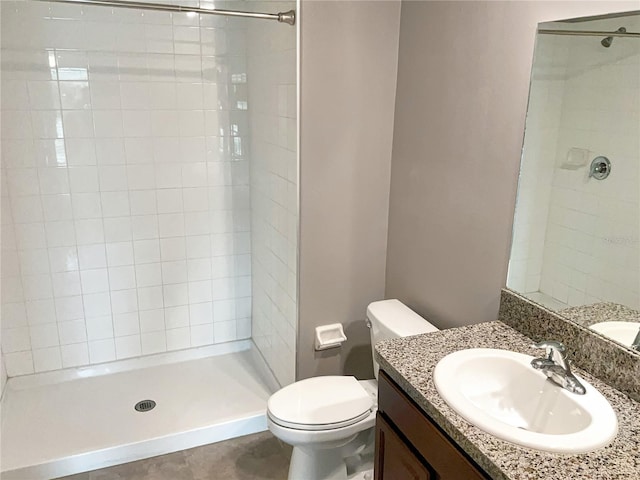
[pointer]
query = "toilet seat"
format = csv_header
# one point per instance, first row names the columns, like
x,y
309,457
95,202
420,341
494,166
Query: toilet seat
x,y
322,426
320,403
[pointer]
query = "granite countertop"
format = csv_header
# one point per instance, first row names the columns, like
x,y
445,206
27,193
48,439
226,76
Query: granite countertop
x,y
410,362
588,315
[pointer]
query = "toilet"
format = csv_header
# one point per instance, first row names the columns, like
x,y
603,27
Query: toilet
x,y
330,420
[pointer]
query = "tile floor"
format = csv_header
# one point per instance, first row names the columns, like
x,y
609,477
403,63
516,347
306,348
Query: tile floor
x,y
253,457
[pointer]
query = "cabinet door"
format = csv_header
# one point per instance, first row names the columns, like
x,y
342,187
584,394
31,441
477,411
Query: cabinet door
x,y
394,459
437,450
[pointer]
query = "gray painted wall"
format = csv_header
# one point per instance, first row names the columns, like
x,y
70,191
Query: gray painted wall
x,y
349,54
463,81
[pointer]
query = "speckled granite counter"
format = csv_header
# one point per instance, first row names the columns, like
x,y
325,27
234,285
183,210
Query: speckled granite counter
x,y
410,362
617,365
588,315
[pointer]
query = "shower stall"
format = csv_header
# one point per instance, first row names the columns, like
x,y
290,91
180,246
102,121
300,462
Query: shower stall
x,y
149,217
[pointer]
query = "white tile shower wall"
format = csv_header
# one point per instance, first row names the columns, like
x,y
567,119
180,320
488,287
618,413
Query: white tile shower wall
x,y
538,157
271,54
592,249
125,195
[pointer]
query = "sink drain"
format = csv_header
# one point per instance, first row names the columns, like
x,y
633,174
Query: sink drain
x,y
145,405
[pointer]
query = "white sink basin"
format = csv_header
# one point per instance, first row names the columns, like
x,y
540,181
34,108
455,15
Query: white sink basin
x,y
499,392
622,332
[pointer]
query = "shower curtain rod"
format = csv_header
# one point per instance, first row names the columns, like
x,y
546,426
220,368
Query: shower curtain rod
x,y
589,33
283,17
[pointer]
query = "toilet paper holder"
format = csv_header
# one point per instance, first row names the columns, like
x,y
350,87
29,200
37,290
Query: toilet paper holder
x,y
329,336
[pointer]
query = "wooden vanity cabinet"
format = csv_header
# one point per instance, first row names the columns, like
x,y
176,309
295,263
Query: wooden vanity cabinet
x,y
409,446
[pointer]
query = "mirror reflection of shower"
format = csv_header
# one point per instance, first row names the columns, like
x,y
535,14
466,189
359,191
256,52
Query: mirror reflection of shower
x,y
576,227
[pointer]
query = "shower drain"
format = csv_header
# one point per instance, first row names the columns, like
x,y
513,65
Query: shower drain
x,y
145,405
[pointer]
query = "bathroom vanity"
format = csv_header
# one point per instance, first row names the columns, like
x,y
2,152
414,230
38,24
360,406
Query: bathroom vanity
x,y
418,436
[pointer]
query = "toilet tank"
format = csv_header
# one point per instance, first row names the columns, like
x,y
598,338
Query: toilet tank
x,y
393,319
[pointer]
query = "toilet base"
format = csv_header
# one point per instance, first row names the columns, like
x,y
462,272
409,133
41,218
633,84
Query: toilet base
x,y
364,475
326,465
316,465
353,461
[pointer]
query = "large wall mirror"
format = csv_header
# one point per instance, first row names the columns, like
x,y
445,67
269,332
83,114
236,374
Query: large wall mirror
x,y
576,239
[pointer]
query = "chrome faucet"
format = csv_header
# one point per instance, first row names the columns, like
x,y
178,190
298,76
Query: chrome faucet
x,y
555,366
636,342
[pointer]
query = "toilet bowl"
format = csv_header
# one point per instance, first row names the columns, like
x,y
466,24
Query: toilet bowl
x,y
330,420
325,429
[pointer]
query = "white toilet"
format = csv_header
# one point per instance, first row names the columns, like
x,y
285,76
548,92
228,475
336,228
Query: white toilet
x,y
330,420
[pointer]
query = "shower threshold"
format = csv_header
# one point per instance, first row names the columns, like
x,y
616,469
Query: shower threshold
x,y
61,423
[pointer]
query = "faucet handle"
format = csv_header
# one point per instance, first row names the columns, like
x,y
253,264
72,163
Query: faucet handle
x,y
550,345
554,352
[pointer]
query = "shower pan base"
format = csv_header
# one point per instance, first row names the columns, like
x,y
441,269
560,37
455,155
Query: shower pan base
x,y
68,422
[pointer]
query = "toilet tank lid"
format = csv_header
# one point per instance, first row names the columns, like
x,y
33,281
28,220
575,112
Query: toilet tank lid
x,y
388,313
